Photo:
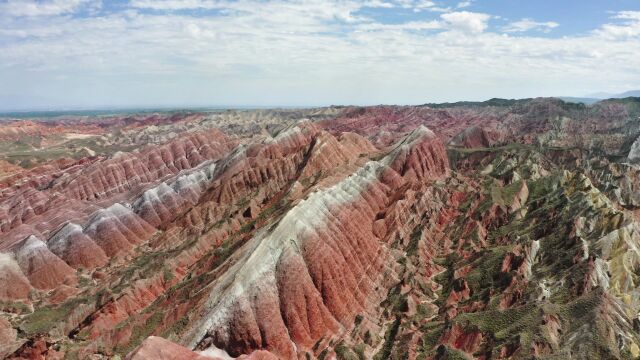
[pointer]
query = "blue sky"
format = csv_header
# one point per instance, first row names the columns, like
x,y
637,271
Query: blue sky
x,y
65,54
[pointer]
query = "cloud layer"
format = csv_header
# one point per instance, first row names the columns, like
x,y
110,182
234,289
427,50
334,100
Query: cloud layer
x,y
529,24
215,52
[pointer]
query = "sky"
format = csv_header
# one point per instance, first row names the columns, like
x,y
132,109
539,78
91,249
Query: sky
x,y
84,54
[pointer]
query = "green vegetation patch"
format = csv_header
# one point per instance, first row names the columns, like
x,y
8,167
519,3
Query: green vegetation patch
x,y
504,196
14,307
140,332
389,338
503,324
45,318
412,248
345,353
445,352
486,271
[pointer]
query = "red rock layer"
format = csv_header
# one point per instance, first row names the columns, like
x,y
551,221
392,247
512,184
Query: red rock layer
x,y
522,121
420,155
162,204
76,248
19,207
7,169
13,284
157,348
337,246
123,172
386,124
330,152
472,137
8,342
69,194
42,267
117,229
291,145
25,128
323,263
102,325
467,340
269,165
42,175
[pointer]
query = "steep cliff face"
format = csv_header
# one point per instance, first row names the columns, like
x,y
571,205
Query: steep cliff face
x,y
359,235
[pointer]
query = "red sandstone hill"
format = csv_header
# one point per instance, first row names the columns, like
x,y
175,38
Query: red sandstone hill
x,y
73,193
359,235
328,287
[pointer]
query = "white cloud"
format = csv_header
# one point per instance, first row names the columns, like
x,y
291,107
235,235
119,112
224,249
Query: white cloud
x,y
174,4
628,15
411,25
463,4
33,8
467,21
293,53
420,5
423,5
529,24
197,32
625,29
379,4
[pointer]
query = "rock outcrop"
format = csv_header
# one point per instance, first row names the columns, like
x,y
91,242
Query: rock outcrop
x,y
43,268
472,137
156,348
77,249
117,229
13,284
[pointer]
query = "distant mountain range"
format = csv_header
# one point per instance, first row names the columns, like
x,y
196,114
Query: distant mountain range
x,y
603,95
595,97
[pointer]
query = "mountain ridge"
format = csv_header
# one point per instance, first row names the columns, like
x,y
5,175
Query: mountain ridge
x,y
505,229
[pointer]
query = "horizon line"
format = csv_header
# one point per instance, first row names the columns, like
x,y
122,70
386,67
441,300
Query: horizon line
x,y
170,108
